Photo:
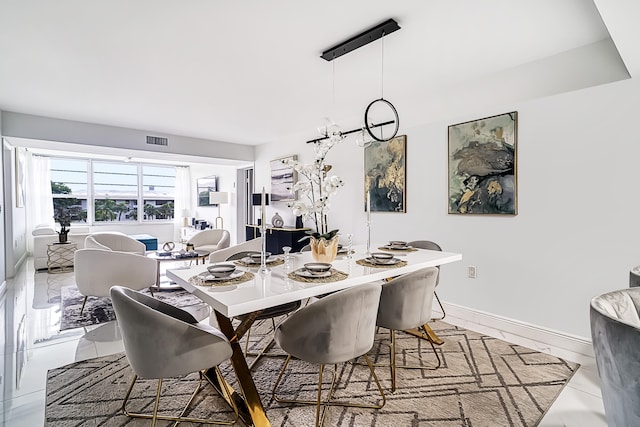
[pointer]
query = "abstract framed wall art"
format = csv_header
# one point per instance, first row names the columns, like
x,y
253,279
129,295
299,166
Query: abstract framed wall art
x,y
482,166
385,175
283,177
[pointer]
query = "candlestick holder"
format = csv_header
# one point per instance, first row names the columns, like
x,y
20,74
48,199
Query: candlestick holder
x,y
368,238
263,270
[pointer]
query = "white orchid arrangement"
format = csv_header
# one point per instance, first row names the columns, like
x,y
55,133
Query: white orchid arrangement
x,y
316,191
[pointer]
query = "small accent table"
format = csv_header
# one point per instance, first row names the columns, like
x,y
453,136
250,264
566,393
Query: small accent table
x,y
60,257
161,256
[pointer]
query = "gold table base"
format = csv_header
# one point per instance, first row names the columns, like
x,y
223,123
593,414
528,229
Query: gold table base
x,y
250,408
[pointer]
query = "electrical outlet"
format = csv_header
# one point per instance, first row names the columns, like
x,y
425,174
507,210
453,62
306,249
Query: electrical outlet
x,y
472,271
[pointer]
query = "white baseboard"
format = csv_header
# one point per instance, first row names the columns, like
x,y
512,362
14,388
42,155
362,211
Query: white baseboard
x,y
547,340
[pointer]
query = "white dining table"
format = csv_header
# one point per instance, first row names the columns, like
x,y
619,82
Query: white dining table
x,y
276,288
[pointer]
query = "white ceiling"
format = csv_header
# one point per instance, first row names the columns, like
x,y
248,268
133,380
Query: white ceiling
x,y
250,71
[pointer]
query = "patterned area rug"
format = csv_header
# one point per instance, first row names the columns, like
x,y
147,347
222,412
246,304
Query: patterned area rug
x,y
483,381
99,309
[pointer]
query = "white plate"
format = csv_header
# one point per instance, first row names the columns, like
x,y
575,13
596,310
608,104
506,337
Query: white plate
x,y
392,261
208,277
306,273
248,260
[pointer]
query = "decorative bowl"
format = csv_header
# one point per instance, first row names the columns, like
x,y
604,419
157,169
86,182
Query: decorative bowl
x,y
382,257
397,243
317,267
257,256
221,270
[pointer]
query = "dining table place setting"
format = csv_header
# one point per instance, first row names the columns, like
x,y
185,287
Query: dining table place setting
x,y
343,250
254,259
221,274
381,260
397,245
317,272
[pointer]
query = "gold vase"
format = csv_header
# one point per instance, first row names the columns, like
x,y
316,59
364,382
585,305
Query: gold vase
x,y
323,250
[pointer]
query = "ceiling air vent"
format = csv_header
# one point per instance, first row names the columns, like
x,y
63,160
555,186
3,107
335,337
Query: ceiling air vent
x,y
156,140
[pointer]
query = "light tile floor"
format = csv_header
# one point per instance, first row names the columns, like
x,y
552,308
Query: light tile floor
x,y
33,344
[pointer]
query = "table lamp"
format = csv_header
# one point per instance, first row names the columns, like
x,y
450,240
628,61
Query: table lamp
x,y
219,198
185,217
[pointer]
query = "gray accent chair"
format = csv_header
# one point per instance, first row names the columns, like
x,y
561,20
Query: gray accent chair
x,y
432,246
615,333
406,303
335,329
163,341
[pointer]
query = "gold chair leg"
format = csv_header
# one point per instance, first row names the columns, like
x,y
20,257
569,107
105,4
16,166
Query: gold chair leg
x,y
319,402
328,401
83,304
156,404
444,314
430,334
392,360
393,366
263,352
180,418
424,334
246,343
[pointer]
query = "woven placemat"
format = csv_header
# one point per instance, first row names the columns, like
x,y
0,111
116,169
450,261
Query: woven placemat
x,y
363,262
274,263
336,276
383,248
198,280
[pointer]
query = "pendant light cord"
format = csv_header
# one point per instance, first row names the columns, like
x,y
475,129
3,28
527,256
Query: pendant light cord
x,y
382,67
382,76
333,89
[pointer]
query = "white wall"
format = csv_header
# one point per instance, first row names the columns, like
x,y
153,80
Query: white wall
x,y
72,132
574,235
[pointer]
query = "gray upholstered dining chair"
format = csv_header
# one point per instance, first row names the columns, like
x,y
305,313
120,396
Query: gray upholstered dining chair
x,y
406,303
432,246
162,341
615,333
332,330
223,254
634,277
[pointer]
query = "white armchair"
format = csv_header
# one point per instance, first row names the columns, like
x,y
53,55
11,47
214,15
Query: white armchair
x,y
114,241
97,270
210,240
